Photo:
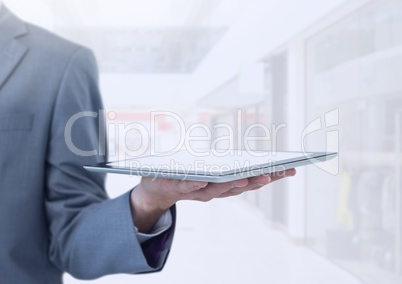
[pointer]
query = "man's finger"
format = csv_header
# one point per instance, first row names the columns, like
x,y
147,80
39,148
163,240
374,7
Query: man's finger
x,y
238,191
186,186
282,174
214,190
258,182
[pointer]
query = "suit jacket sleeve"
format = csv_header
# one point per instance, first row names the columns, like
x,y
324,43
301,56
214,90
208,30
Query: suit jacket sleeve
x,y
90,235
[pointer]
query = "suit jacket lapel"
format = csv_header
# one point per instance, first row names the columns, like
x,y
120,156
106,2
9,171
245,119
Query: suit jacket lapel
x,y
9,59
11,50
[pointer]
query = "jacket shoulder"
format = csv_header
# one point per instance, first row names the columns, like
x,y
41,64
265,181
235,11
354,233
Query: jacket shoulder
x,y
53,46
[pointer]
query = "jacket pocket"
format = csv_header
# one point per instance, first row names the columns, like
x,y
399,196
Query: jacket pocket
x,y
16,122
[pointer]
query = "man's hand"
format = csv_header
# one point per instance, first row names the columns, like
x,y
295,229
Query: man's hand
x,y
152,197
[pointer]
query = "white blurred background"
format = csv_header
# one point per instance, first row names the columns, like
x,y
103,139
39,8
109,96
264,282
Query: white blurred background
x,y
240,62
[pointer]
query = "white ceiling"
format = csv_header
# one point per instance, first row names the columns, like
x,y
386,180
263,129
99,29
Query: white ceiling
x,y
135,36
254,28
117,13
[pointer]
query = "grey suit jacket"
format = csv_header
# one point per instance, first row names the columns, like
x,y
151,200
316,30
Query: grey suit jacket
x,y
54,215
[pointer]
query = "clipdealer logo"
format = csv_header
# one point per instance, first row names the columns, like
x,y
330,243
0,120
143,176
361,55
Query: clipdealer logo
x,y
326,125
148,136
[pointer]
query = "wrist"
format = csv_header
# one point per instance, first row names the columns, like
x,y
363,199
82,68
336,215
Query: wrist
x,y
149,200
146,209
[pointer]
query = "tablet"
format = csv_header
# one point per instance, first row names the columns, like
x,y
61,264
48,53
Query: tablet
x,y
211,167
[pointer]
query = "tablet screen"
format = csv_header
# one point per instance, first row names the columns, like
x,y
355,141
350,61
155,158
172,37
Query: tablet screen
x,y
212,163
